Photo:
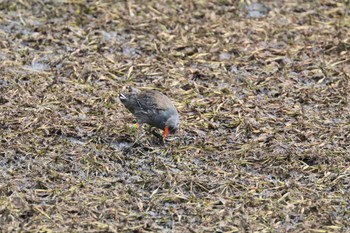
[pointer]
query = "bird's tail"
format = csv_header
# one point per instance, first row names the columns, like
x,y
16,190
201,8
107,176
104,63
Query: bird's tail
x,y
122,96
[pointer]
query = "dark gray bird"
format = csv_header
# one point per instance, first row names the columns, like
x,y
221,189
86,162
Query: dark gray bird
x,y
153,108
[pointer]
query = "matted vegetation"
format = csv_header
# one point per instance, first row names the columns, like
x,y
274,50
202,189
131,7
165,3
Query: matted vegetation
x,y
263,99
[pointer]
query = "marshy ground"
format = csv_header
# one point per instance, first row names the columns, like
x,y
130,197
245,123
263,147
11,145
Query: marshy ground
x,y
262,92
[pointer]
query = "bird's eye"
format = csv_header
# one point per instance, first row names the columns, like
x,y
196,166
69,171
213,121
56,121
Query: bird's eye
x,y
172,129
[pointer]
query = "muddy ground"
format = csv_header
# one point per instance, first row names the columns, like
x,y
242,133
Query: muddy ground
x,y
262,90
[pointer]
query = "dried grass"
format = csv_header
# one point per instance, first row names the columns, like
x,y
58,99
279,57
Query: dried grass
x,y
264,141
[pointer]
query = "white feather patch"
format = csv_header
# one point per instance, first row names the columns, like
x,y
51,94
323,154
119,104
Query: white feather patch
x,y
122,96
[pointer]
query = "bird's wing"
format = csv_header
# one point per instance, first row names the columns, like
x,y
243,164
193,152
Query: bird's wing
x,y
152,100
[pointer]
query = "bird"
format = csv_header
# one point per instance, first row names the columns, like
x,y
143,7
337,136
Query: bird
x,y
152,107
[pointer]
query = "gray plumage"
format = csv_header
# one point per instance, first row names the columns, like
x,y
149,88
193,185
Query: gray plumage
x,y
151,107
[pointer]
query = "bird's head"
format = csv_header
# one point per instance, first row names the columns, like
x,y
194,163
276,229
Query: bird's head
x,y
173,123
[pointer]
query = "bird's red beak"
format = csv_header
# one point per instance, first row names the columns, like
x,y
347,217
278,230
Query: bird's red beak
x,y
166,132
